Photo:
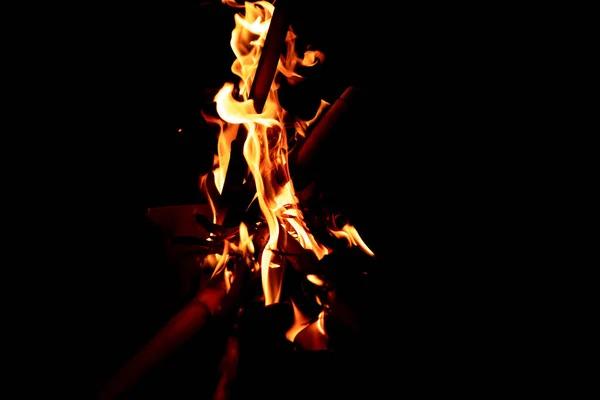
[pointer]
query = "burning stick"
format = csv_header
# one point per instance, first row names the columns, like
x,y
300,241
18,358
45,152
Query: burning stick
x,y
269,58
194,316
304,159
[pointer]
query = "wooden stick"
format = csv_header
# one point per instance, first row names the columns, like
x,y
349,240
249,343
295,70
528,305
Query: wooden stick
x,y
269,57
177,331
183,326
312,150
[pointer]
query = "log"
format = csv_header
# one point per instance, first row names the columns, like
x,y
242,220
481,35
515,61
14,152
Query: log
x,y
306,157
177,331
269,57
208,303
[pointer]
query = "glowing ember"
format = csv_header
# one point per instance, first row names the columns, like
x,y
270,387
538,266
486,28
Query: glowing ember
x,y
265,150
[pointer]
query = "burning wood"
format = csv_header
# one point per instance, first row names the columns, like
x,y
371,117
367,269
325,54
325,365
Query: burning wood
x,y
228,369
269,57
179,329
258,225
304,162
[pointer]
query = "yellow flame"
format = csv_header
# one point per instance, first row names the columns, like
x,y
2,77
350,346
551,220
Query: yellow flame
x,y
204,188
227,134
245,245
321,323
300,322
309,59
228,277
247,39
222,260
316,280
350,233
265,148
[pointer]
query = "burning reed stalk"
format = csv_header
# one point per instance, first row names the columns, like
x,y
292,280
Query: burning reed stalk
x,y
305,159
178,330
186,323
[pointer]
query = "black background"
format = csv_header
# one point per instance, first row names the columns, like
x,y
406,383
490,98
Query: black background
x,y
427,193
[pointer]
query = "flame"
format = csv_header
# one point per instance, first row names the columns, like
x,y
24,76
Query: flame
x,y
310,335
228,278
321,323
265,149
316,280
245,246
227,134
204,187
222,259
350,233
302,126
301,321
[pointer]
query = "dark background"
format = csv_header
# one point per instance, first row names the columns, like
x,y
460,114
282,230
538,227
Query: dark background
x,y
423,187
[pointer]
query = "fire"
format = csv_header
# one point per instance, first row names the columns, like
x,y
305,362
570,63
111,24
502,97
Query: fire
x,y
264,130
350,233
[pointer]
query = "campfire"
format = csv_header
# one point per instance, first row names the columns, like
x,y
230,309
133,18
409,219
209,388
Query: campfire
x,y
269,243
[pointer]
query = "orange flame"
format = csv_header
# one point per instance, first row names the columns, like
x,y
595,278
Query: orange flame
x,y
350,233
265,148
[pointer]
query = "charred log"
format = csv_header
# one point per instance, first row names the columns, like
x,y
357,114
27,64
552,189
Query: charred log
x,y
269,57
309,156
